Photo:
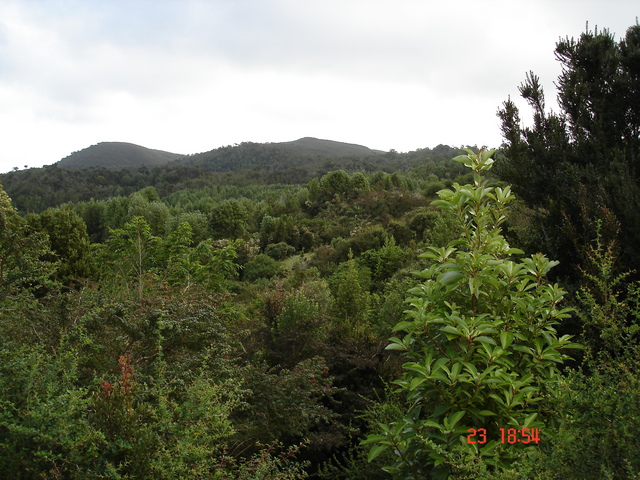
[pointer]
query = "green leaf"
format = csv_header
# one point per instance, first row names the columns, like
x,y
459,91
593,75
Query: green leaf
x,y
440,409
440,363
486,413
433,424
489,448
375,451
455,371
462,159
396,344
523,348
450,277
405,326
505,339
451,329
484,339
416,382
529,420
454,418
471,368
374,439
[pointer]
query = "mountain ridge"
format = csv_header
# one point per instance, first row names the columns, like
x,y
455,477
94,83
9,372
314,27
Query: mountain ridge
x,y
118,155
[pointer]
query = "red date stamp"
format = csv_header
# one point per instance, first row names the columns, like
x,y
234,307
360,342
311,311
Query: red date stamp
x,y
507,435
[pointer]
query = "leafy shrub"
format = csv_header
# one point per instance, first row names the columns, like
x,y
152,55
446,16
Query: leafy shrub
x,y
279,251
385,261
480,342
263,266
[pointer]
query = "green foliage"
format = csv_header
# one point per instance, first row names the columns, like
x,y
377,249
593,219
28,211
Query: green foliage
x,y
422,221
130,251
388,306
227,219
352,299
68,241
287,403
153,211
480,341
279,251
42,414
196,220
301,321
205,387
161,362
23,253
263,266
597,437
610,318
205,265
273,461
385,261
335,183
92,214
578,165
116,212
400,232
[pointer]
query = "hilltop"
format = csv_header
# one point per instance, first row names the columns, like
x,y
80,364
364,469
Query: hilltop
x,y
119,155
116,156
308,152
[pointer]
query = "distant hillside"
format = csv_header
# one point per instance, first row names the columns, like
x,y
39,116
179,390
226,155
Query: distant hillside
x,y
304,152
113,169
314,146
116,156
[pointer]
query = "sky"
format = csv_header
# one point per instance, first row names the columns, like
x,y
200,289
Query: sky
x,y
188,76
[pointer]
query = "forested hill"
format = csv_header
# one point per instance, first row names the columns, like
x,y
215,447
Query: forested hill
x,y
297,162
311,152
115,156
119,155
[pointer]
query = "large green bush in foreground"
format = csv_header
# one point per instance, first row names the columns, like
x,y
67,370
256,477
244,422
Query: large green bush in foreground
x,y
482,351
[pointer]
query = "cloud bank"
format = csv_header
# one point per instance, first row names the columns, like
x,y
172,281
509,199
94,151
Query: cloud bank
x,y
191,75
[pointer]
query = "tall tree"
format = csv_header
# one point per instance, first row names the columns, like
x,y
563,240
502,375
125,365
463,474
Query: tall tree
x,y
580,164
22,250
129,253
69,242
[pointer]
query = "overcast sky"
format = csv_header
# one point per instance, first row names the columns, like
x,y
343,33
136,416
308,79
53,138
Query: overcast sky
x,y
188,76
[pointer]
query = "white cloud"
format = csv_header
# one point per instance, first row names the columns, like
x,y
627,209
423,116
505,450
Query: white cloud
x,y
191,75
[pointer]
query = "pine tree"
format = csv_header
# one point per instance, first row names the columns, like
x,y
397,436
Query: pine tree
x,y
581,164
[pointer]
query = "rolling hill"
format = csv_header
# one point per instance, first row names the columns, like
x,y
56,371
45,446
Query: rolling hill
x,y
278,156
116,156
246,155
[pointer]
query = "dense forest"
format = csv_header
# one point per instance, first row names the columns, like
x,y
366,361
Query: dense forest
x,y
446,313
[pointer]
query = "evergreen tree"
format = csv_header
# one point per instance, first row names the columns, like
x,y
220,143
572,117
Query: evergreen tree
x,y
22,253
581,164
351,299
69,242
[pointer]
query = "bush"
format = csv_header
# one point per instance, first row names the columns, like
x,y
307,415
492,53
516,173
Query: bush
x,y
279,251
263,266
480,342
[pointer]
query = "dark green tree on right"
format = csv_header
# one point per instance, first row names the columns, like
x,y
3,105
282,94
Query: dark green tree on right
x,y
581,164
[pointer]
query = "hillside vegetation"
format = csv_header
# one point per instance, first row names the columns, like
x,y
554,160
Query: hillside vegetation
x,y
441,314
307,153
116,156
36,189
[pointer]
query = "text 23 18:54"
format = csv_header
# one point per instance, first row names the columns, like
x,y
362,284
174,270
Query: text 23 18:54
x,y
510,435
